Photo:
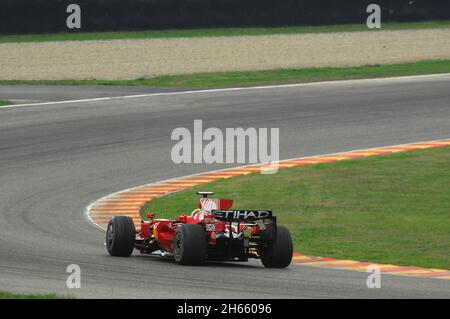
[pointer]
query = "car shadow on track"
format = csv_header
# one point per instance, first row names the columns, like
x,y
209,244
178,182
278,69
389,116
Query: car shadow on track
x,y
222,264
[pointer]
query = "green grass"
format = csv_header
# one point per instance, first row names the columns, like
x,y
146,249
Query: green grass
x,y
389,209
283,76
9,295
215,32
5,102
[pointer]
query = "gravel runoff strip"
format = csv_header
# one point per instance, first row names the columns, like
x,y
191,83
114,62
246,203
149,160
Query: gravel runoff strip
x,y
130,202
131,59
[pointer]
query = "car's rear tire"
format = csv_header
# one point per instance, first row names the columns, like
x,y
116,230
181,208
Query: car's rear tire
x,y
279,252
190,244
120,236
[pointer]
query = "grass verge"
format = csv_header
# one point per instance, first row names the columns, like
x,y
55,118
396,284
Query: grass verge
x,y
5,102
9,295
215,32
391,209
271,77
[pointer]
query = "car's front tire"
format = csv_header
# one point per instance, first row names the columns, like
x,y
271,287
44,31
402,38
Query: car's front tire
x,y
190,244
279,252
120,236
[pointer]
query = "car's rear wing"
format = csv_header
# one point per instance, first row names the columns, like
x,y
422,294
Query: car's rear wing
x,y
242,215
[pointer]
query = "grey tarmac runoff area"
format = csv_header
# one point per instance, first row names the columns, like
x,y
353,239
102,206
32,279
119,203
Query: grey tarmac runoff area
x,y
56,159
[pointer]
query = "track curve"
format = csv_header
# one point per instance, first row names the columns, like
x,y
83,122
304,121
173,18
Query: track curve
x,y
56,159
130,202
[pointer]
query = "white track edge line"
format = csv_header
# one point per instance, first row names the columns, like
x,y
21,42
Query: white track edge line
x,y
233,89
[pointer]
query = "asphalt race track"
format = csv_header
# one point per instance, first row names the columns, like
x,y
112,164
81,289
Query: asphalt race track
x,y
56,159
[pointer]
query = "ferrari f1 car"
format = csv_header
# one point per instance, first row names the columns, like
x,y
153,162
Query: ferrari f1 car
x,y
211,232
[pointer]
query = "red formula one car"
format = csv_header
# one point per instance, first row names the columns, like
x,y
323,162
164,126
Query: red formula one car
x,y
211,232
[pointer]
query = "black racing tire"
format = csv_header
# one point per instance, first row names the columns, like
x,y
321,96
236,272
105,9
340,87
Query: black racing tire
x,y
279,252
120,236
190,244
